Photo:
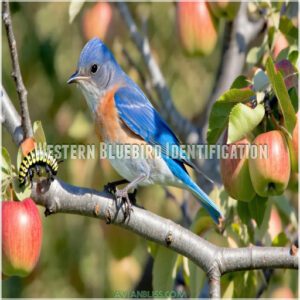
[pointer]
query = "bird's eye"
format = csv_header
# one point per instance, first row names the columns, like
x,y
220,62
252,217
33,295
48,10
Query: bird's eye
x,y
94,68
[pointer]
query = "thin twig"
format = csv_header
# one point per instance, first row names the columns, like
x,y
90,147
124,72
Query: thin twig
x,y
10,118
16,73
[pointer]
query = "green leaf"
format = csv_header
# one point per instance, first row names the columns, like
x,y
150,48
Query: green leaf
x,y
19,158
240,82
283,54
219,115
282,95
74,9
294,98
164,269
243,212
290,53
38,133
257,209
23,192
242,120
271,34
255,55
284,207
287,27
6,168
280,240
228,291
202,222
261,232
293,57
197,279
152,248
244,284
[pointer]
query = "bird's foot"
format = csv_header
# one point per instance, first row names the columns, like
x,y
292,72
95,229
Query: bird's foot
x,y
125,196
111,187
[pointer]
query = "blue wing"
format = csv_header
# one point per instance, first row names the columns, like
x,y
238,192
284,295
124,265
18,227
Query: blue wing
x,y
142,118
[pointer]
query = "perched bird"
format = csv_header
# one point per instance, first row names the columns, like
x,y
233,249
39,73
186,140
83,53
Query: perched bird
x,y
123,115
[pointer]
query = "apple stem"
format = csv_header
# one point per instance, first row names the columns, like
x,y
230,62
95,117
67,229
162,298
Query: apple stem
x,y
250,136
11,192
271,186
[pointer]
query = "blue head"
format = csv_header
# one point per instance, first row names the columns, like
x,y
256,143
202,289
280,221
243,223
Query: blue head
x,y
97,71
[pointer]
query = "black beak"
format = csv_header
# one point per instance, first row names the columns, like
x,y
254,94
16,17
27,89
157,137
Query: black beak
x,y
76,77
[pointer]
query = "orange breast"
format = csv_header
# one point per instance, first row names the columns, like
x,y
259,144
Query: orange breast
x,y
109,126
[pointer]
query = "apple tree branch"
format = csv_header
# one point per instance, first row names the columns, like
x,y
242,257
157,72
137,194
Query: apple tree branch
x,y
16,73
60,197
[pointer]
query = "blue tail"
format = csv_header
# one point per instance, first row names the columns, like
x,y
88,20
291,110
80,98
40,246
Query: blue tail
x,y
205,201
179,171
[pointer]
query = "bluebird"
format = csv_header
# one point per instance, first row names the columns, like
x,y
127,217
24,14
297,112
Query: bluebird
x,y
123,115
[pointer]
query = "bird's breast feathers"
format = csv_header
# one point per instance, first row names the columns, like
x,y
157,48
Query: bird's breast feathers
x,y
109,126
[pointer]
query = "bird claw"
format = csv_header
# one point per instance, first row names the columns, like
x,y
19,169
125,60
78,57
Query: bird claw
x,y
123,194
110,188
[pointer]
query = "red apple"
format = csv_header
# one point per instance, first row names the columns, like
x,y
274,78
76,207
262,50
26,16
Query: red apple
x,y
196,28
288,72
21,237
270,173
280,44
224,9
97,21
235,173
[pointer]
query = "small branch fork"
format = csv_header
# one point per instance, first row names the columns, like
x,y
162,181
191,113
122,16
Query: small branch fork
x,y
16,73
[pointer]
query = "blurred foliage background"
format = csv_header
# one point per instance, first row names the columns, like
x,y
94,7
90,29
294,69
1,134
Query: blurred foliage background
x,y
84,257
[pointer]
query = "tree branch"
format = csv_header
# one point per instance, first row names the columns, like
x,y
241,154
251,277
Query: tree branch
x,y
61,197
16,73
10,118
214,282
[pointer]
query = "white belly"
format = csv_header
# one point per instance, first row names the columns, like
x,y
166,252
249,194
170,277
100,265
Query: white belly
x,y
157,170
